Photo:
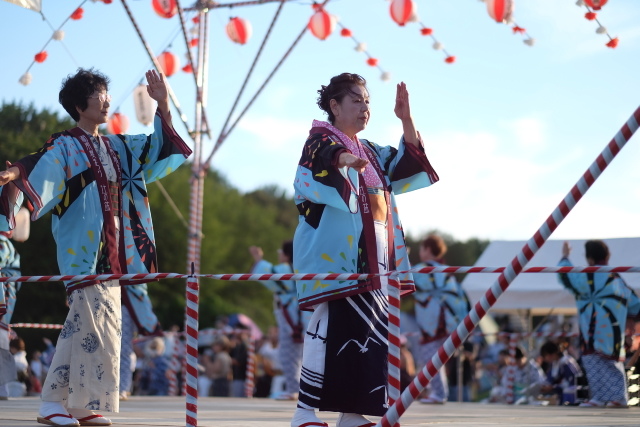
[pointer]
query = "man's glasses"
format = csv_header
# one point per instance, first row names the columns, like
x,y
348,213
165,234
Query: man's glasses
x,y
102,97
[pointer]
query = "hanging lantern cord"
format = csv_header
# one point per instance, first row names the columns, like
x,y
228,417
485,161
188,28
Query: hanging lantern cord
x,y
255,61
599,23
187,43
172,95
224,135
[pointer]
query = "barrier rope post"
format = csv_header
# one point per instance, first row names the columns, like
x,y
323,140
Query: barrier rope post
x,y
191,329
511,368
251,368
472,319
394,339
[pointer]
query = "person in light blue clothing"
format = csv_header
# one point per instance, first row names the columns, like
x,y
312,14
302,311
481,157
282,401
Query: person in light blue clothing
x,y
292,322
604,303
345,190
95,188
441,304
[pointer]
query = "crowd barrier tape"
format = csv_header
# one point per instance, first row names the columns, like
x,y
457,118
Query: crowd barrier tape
x,y
317,276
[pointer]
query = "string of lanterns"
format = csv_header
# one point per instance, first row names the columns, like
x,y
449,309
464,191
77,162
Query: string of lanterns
x,y
592,5
501,11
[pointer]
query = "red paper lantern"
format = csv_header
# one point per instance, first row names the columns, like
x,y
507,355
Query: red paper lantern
x,y
117,124
187,68
596,4
193,42
77,14
322,24
372,61
500,10
613,43
239,30
169,63
165,8
40,57
450,59
590,16
345,32
426,31
401,11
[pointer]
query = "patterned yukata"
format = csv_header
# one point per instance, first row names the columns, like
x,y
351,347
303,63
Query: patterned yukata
x,y
604,302
344,366
9,266
96,191
441,304
291,321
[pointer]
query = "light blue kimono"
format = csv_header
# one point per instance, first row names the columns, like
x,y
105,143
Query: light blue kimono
x,y
335,231
604,302
60,178
440,302
9,266
284,296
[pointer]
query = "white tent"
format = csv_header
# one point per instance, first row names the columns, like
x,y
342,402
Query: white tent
x,y
541,292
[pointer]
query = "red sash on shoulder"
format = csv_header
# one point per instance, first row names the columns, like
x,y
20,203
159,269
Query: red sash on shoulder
x,y
113,239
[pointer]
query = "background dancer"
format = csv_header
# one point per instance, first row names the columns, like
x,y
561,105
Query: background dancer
x,y
604,302
291,321
9,266
349,223
440,305
95,186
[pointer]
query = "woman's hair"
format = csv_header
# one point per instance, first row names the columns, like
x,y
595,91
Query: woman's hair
x,y
549,348
77,88
436,244
597,250
287,250
338,87
17,343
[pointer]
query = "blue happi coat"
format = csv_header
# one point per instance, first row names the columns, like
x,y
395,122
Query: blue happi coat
x,y
441,303
136,299
604,302
284,295
61,178
9,266
335,233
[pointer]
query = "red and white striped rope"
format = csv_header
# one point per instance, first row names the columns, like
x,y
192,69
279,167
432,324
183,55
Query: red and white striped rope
x,y
394,339
519,261
36,325
316,276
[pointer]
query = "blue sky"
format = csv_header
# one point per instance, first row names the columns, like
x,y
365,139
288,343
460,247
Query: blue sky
x,y
508,127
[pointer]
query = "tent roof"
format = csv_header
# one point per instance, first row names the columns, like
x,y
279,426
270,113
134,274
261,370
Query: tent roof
x,y
541,291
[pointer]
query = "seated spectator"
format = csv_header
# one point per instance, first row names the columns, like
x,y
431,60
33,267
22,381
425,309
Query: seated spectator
x,y
217,365
527,380
562,373
155,365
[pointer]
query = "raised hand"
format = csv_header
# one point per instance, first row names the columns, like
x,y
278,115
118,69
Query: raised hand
x,y
156,86
402,108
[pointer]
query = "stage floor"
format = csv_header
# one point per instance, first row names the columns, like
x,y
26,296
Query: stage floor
x,y
232,412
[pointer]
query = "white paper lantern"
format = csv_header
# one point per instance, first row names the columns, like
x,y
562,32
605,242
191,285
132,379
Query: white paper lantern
x,y
361,47
438,46
25,79
58,35
145,106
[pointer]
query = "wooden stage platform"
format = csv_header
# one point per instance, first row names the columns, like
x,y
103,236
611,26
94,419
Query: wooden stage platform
x,y
233,412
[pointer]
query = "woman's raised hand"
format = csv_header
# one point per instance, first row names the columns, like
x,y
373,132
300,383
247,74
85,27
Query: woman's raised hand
x,y
402,108
156,86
